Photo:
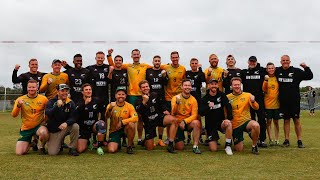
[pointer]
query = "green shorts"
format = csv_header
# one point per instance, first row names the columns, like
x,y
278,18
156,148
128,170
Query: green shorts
x,y
116,136
237,133
26,135
132,100
272,114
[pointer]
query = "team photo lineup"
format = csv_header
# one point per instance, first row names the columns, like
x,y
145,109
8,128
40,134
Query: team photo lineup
x,y
103,106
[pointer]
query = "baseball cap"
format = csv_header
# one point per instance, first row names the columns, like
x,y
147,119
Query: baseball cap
x,y
62,86
56,60
120,88
101,127
213,80
252,58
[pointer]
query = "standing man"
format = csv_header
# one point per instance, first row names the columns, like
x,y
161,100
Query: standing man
x,y
32,106
214,71
229,73
241,122
289,79
25,77
61,121
118,76
271,102
311,95
51,80
213,106
122,121
157,80
185,109
252,79
154,114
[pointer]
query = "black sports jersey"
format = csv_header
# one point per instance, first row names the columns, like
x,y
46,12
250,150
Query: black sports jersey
x,y
196,79
77,77
156,81
289,81
216,114
25,77
227,80
119,79
153,109
87,114
252,80
98,78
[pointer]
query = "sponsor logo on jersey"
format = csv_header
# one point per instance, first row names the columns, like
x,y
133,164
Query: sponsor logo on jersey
x,y
290,74
256,72
219,99
289,80
253,77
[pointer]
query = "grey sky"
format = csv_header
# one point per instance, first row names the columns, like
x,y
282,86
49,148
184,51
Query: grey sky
x,y
143,20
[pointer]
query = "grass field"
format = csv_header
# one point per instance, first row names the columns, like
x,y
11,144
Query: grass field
x,y
272,163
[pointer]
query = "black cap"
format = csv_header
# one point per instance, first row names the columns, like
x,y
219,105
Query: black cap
x,y
213,80
56,60
253,58
120,88
62,86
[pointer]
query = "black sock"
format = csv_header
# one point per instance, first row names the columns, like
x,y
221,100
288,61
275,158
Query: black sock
x,y
100,143
189,136
170,143
160,136
228,144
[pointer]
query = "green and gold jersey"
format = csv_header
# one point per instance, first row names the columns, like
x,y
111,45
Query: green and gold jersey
x,y
217,74
32,111
50,90
186,109
175,77
271,93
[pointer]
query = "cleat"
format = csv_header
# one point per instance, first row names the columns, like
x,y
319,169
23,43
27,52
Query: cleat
x,y
129,150
100,151
262,144
276,143
161,143
73,152
196,150
271,143
171,149
90,146
286,143
201,141
64,145
300,144
255,150
228,150
34,145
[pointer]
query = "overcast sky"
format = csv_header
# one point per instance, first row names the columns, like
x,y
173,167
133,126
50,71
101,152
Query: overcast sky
x,y
165,20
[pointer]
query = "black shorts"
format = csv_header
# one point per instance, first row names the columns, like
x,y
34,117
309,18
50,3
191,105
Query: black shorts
x,y
213,134
272,114
290,109
150,127
85,133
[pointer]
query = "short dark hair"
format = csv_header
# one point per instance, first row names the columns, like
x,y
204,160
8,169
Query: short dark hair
x,y
135,50
143,82
33,59
270,63
174,52
119,57
194,59
100,52
77,55
235,79
85,85
32,81
156,56
185,80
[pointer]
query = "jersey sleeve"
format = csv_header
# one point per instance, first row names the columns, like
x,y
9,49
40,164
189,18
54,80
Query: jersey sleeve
x,y
15,111
254,105
265,86
44,84
15,78
306,74
133,116
227,107
194,112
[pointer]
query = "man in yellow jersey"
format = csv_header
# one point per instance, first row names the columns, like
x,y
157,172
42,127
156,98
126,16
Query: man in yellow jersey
x,y
241,122
51,80
214,71
32,106
122,120
185,109
270,88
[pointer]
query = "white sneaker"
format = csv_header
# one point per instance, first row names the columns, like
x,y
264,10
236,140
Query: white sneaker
x,y
228,150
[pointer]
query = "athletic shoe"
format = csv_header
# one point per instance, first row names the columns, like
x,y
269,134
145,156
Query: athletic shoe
x,y
100,151
276,143
262,144
196,150
124,143
286,143
73,152
129,150
188,141
161,143
140,142
34,145
228,150
90,146
171,149
255,150
42,151
166,141
300,144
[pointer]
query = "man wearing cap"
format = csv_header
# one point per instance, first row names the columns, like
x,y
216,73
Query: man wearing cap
x,y
61,121
51,80
122,121
252,80
88,113
213,106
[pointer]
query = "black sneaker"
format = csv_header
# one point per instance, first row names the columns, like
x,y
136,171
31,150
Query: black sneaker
x,y
140,142
262,144
129,150
42,151
34,145
255,150
286,143
300,144
124,143
201,141
73,152
171,149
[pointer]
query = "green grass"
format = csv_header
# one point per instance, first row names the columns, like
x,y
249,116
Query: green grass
x,y
272,163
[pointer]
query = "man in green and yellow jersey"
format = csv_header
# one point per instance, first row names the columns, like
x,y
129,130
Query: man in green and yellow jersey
x,y
32,106
185,109
214,71
270,88
51,80
122,121
241,122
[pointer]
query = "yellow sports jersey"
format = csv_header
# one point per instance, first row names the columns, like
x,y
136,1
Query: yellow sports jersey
x,y
125,113
175,77
271,92
51,90
241,108
32,111
217,74
186,109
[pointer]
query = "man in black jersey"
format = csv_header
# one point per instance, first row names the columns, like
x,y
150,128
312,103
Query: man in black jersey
x,y
87,110
229,73
157,79
25,77
252,80
154,113
77,77
118,77
289,79
213,106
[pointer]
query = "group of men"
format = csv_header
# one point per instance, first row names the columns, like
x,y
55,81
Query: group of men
x,y
76,102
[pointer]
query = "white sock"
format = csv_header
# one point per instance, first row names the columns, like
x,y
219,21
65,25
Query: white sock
x,y
228,140
194,146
